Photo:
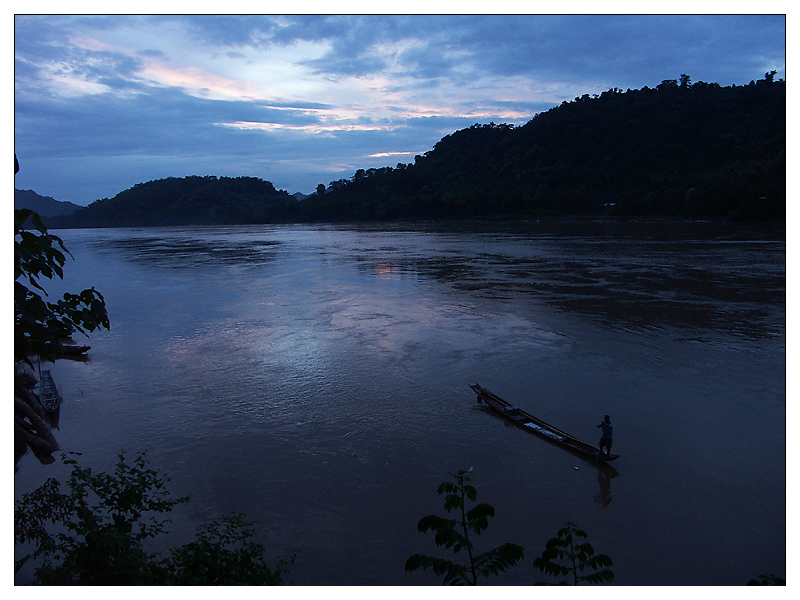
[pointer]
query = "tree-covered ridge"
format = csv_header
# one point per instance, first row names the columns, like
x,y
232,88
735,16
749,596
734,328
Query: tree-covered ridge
x,y
44,206
186,201
680,149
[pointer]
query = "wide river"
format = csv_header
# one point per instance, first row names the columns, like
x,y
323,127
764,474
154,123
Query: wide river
x,y
316,379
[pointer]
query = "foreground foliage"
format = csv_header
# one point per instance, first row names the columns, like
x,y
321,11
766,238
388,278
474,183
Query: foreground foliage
x,y
40,326
94,533
578,556
454,534
224,554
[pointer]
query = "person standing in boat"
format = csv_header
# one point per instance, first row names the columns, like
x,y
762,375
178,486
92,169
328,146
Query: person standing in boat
x,y
608,431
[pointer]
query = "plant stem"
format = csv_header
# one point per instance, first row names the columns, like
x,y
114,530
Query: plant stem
x,y
572,555
464,527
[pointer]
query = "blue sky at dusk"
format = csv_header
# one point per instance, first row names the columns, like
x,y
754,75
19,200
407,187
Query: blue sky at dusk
x,y
104,102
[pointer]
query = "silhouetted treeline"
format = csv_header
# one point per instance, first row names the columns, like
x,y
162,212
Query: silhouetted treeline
x,y
678,150
192,200
682,150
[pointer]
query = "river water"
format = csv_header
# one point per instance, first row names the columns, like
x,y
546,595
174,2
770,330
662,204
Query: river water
x,y
316,379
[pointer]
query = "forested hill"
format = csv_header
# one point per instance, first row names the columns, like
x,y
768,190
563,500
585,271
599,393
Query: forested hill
x,y
682,150
192,200
44,206
678,150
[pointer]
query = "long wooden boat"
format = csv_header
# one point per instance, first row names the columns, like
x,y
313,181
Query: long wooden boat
x,y
538,427
48,392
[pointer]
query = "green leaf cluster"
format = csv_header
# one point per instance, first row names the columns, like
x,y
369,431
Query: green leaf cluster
x,y
579,557
94,532
454,534
40,326
224,553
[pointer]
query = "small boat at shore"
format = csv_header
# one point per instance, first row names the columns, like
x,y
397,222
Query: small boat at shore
x,y
75,350
538,427
48,392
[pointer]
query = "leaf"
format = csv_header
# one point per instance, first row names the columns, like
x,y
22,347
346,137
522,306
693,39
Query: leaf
x,y
454,574
557,543
481,510
478,517
18,564
601,560
470,492
447,487
451,538
604,576
550,568
434,522
499,559
453,502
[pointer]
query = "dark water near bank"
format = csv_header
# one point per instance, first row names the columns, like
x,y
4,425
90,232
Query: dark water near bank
x,y
316,378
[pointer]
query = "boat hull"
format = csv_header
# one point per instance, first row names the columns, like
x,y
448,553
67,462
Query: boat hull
x,y
49,396
540,428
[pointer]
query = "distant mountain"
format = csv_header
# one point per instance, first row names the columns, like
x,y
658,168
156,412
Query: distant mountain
x,y
300,195
208,200
45,206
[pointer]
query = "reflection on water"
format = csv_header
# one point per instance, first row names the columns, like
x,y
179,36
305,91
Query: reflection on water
x,y
625,282
603,497
186,248
315,378
648,282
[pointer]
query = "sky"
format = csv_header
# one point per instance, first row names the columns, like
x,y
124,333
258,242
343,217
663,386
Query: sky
x,y
102,103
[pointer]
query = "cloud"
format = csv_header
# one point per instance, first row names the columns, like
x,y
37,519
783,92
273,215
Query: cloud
x,y
310,129
387,154
200,82
298,99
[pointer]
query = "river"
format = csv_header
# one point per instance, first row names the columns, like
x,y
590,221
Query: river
x,y
316,379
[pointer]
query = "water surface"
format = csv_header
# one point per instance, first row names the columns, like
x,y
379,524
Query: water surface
x,y
316,378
